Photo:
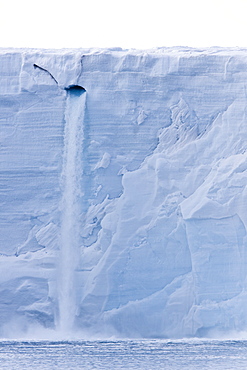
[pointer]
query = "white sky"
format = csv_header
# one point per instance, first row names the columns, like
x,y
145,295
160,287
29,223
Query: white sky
x,y
123,23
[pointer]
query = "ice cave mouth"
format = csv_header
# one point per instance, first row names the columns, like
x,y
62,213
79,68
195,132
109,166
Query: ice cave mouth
x,y
75,89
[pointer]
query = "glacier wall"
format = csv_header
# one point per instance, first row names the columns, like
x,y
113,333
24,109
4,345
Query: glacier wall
x,y
123,192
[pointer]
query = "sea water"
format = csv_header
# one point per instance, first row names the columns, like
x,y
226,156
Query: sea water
x,y
131,354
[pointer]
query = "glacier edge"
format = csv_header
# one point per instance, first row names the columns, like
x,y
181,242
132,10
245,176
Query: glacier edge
x,y
160,210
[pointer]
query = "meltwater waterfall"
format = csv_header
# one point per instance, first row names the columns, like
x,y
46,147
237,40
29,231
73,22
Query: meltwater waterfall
x,y
70,209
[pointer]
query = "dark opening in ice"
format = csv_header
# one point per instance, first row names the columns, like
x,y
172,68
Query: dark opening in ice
x,y
75,88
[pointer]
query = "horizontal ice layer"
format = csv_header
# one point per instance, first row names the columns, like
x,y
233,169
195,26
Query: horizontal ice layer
x,y
162,221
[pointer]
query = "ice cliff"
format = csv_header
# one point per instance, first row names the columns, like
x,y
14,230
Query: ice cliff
x,y
123,191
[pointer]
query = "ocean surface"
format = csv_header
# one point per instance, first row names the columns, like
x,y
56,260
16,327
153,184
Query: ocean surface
x,y
141,355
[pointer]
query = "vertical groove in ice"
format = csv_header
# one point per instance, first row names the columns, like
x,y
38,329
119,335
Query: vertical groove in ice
x,y
71,182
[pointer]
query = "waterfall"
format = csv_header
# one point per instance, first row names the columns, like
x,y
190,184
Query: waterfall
x,y
70,208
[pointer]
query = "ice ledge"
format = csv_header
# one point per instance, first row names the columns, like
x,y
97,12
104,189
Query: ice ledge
x,y
135,51
28,69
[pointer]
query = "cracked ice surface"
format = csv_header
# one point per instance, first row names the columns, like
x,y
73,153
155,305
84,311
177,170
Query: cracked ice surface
x,y
161,203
